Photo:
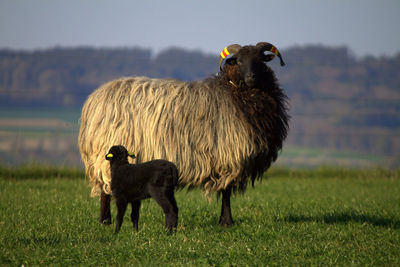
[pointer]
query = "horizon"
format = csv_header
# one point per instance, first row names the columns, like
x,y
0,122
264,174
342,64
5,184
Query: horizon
x,y
154,53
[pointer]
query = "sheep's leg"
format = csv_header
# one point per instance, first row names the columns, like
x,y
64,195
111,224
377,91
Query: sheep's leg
x,y
135,213
105,211
226,215
121,207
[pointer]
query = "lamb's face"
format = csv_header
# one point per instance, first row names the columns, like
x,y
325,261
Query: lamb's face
x,y
118,153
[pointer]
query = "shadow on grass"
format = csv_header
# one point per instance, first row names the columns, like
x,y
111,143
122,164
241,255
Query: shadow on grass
x,y
346,217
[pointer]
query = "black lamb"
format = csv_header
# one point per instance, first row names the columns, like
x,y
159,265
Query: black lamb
x,y
132,183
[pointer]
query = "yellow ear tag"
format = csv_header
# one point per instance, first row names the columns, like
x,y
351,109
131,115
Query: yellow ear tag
x,y
131,154
224,52
109,155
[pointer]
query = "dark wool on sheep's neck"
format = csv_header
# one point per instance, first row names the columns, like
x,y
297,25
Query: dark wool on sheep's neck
x,y
265,107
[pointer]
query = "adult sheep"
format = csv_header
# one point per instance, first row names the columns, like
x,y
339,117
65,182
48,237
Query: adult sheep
x,y
220,132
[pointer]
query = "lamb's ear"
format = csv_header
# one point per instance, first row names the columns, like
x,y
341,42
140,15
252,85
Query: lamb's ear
x,y
109,156
130,154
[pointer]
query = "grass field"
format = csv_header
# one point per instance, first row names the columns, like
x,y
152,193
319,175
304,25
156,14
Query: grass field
x,y
296,217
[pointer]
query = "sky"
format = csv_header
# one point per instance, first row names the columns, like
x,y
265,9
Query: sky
x,y
367,27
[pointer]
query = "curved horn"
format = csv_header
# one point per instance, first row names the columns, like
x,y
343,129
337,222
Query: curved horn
x,y
229,50
264,46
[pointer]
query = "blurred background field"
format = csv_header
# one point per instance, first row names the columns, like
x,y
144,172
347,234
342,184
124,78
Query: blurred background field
x,y
49,136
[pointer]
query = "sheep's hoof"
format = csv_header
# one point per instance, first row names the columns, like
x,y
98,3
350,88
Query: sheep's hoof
x,y
170,230
225,223
105,221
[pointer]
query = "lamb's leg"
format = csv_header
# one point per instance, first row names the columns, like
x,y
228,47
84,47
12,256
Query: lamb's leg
x,y
173,202
173,220
105,211
135,213
121,207
226,215
166,200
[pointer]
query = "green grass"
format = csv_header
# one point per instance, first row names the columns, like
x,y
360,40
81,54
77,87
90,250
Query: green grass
x,y
319,217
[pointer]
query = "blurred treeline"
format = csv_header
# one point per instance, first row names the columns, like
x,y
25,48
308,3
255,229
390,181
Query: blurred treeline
x,y
337,100
64,77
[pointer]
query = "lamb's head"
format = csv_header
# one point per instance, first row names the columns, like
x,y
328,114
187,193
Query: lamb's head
x,y
118,153
247,64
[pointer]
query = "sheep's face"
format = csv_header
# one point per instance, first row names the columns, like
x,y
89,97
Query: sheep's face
x,y
247,64
250,62
118,153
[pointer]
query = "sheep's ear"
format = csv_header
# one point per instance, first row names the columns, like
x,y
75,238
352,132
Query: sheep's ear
x,y
230,50
268,57
109,156
264,46
130,154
